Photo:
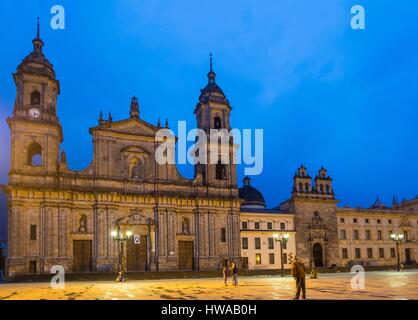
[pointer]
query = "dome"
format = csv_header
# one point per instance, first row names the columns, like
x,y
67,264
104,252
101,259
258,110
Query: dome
x,y
36,62
250,195
212,92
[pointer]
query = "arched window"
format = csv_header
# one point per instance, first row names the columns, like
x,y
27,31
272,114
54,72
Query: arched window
x,y
328,189
135,169
321,188
300,187
220,170
185,226
35,98
217,123
34,154
307,187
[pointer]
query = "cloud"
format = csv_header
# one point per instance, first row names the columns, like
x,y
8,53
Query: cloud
x,y
279,43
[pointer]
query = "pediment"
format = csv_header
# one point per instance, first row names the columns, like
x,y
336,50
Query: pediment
x,y
135,150
130,126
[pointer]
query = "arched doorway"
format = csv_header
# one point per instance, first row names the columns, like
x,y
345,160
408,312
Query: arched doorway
x,y
318,259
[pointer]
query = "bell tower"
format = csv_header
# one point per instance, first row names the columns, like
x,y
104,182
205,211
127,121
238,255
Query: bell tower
x,y
213,116
35,130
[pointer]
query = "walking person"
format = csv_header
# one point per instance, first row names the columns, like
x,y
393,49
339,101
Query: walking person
x,y
234,274
225,273
298,272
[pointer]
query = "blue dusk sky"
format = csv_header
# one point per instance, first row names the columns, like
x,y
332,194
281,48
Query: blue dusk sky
x,y
325,94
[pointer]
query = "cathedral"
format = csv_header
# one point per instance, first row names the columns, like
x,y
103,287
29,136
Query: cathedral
x,y
127,212
87,220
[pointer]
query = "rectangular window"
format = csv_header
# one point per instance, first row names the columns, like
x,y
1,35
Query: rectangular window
x,y
33,231
405,235
32,266
355,220
270,225
223,235
369,253
390,221
343,235
271,243
345,253
245,225
378,221
367,220
392,253
358,253
284,245
244,243
257,225
368,235
381,252
258,258
282,226
342,220
355,235
379,235
271,258
257,243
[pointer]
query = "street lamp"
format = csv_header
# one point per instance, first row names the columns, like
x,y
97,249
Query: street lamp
x,y
283,238
118,236
398,238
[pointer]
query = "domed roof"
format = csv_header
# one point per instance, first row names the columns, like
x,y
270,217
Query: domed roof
x,y
250,195
212,92
36,62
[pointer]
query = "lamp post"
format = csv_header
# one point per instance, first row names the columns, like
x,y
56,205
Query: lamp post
x,y
118,236
282,238
398,238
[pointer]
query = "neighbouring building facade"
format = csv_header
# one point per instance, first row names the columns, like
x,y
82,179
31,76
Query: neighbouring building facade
x,y
324,235
59,216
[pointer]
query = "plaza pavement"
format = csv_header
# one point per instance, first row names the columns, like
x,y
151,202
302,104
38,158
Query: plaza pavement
x,y
379,285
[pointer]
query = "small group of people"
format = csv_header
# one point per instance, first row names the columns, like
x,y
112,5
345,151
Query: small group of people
x,y
230,268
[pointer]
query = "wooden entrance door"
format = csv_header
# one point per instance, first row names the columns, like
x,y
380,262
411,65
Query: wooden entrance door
x,y
82,256
136,255
408,256
186,257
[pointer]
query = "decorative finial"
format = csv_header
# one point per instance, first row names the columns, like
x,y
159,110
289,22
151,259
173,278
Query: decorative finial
x,y
211,74
247,181
158,123
101,116
166,123
134,113
110,119
63,157
38,33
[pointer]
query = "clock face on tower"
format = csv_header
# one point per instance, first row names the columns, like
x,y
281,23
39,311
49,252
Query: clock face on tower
x,y
34,113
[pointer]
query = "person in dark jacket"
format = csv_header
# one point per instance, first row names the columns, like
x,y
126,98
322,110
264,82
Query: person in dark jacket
x,y
298,272
225,273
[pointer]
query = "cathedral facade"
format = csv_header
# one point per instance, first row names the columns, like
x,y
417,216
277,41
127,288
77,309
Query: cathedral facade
x,y
81,219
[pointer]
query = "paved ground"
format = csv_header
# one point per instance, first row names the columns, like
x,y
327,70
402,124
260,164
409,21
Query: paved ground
x,y
378,285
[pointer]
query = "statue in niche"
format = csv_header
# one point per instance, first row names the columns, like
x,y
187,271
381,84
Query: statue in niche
x,y
186,226
82,223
